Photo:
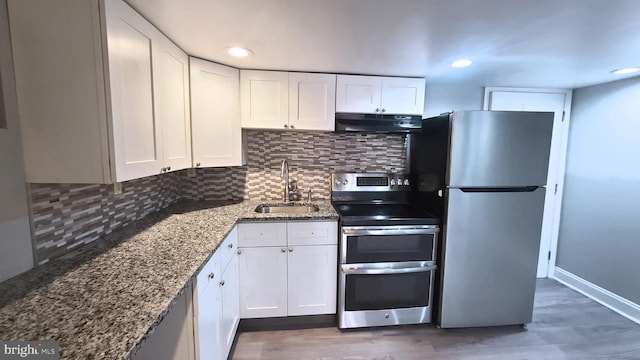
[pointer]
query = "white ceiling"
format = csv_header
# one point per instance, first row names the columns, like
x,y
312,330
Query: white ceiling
x,y
526,43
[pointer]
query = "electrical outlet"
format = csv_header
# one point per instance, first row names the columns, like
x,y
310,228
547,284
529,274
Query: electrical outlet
x,y
117,188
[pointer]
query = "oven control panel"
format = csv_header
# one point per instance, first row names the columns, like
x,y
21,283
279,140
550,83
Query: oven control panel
x,y
370,182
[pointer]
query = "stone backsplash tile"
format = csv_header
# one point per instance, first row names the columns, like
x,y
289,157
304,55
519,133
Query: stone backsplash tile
x,y
67,216
312,157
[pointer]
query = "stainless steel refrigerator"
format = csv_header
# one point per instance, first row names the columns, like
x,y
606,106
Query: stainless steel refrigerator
x,y
484,173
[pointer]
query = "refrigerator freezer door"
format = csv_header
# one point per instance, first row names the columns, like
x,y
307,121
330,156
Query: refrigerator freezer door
x,y
491,247
499,148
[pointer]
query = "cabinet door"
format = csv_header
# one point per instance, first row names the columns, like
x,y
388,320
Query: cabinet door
x,y
312,101
217,136
358,94
171,83
312,273
137,137
263,282
402,96
264,99
230,312
207,310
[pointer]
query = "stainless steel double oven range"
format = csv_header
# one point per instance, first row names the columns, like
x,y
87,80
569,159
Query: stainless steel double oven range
x,y
387,251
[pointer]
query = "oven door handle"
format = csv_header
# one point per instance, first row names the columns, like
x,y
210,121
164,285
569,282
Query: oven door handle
x,y
389,231
378,271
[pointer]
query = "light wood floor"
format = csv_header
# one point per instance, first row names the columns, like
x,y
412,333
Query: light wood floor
x,y
566,325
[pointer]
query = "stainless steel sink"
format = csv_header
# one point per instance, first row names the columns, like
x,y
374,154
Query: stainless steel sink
x,y
286,208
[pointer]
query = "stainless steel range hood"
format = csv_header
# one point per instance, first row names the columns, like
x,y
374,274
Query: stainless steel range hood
x,y
377,123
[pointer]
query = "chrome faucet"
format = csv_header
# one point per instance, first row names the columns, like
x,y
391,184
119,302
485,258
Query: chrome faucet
x,y
284,173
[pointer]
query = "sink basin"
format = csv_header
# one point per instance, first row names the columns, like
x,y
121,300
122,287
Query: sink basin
x,y
286,208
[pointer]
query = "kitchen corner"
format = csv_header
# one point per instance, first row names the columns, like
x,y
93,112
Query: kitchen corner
x,y
104,301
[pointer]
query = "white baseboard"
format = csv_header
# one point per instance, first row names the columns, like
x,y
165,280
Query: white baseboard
x,y
622,306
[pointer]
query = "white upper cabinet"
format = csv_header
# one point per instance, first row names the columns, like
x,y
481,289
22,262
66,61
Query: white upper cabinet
x,y
215,114
136,132
264,98
171,84
312,104
96,91
287,100
380,95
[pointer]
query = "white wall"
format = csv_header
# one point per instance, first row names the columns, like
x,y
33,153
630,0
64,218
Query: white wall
x,y
15,234
599,238
444,98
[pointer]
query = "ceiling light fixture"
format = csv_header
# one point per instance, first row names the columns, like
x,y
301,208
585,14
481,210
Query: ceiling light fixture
x,y
623,71
461,63
239,52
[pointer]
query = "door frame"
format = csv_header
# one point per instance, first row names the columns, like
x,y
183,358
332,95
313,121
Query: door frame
x,y
562,160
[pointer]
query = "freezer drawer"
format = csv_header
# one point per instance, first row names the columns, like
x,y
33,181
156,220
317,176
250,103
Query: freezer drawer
x,y
491,245
499,148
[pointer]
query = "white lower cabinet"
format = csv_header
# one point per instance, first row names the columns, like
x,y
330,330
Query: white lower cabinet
x,y
217,311
173,337
287,268
263,286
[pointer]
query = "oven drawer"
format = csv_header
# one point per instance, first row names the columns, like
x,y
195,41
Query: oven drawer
x,y
360,244
378,296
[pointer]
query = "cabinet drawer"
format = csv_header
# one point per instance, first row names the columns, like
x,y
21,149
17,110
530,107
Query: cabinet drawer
x,y
262,234
228,247
313,233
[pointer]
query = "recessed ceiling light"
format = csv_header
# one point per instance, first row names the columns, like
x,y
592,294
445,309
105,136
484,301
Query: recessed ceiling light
x,y
239,52
628,70
461,63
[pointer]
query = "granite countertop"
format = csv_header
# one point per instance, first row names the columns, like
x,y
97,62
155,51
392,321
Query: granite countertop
x,y
101,302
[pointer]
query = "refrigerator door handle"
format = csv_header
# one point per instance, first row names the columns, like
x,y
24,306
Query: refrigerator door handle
x,y
499,189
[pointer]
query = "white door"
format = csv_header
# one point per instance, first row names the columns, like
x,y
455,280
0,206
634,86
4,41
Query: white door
x,y
136,132
312,275
171,83
263,282
312,101
230,314
264,99
358,94
402,96
215,118
559,102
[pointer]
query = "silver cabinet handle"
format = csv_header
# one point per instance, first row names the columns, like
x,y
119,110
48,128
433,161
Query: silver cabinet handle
x,y
239,251
377,109
222,283
290,249
383,110
168,168
197,164
211,276
286,126
230,246
291,127
283,250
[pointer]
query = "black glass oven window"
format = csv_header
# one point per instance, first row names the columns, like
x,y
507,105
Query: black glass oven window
x,y
390,291
389,248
